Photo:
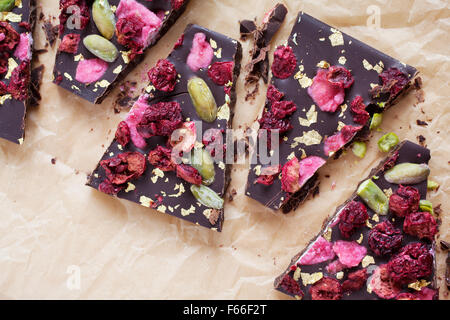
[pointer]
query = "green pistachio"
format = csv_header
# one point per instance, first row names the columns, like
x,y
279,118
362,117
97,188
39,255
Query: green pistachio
x,y
101,47
104,18
432,185
359,149
207,197
388,141
374,197
426,206
202,99
407,173
7,5
203,162
377,118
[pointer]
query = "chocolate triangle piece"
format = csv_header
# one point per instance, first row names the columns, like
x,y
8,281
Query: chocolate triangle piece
x,y
379,244
192,94
325,90
17,20
128,28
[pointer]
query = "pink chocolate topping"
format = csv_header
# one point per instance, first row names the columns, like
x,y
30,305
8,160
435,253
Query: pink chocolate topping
x,y
201,53
90,70
23,49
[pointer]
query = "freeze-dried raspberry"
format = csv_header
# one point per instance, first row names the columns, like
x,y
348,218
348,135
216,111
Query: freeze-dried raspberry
x,y
349,253
163,76
321,250
221,73
123,133
3,88
308,167
124,167
268,175
161,157
326,289
394,80
273,94
420,224
382,284
352,217
176,4
404,201
201,53
290,175
189,174
358,107
326,94
4,56
335,267
179,42
10,37
184,138
70,43
355,280
160,119
340,139
291,286
341,76
71,7
269,122
284,62
390,163
413,262
20,78
127,31
384,239
283,109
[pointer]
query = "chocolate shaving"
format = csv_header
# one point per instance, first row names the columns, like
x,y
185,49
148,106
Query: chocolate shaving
x,y
35,84
262,36
51,32
445,245
422,123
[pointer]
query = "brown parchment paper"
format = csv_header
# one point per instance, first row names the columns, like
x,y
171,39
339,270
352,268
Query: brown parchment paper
x,y
61,239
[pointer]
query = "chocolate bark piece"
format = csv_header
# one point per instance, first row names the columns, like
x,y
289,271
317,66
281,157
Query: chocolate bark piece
x,y
317,46
14,101
304,271
66,63
163,190
262,36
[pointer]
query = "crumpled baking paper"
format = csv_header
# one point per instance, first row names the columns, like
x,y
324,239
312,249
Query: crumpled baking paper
x,y
61,239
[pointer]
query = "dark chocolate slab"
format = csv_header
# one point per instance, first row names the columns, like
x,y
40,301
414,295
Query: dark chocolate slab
x,y
408,152
12,111
176,197
314,42
66,63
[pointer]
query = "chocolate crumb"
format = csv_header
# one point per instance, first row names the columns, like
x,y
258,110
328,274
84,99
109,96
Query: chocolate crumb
x,y
422,123
51,32
53,160
437,210
421,140
35,84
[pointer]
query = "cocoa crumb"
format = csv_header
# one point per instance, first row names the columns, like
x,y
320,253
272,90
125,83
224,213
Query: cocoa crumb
x,y
422,123
126,97
53,160
421,140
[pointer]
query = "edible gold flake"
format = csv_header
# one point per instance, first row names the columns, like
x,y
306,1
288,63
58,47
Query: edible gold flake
x,y
303,80
340,125
170,208
369,225
376,218
113,9
311,117
10,16
102,84
294,39
18,3
68,76
126,56
207,213
339,275
419,284
327,234
343,109
187,212
297,297
336,38
388,192
181,190
130,187
12,64
162,208
20,141
342,60
221,165
368,260
78,57
157,173
4,98
367,65
74,87
323,64
213,43
150,88
296,275
321,39
119,146
257,170
224,112
118,69
312,278
145,201
218,53
291,156
360,240
308,139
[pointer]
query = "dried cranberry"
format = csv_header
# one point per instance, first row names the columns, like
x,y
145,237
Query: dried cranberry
x,y
390,163
161,158
163,75
413,262
355,280
352,217
394,80
384,239
221,73
326,289
127,29
404,201
11,37
341,76
124,167
20,78
284,62
270,122
3,88
381,283
283,109
66,13
273,95
4,56
420,224
70,43
107,187
358,107
268,175
290,176
189,174
291,286
340,139
25,25
179,42
123,133
176,4
160,119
